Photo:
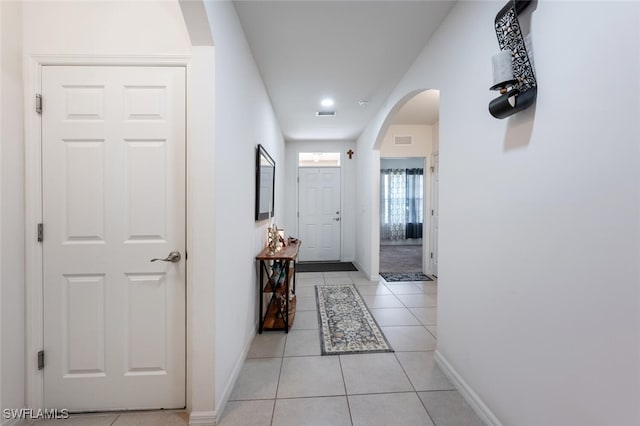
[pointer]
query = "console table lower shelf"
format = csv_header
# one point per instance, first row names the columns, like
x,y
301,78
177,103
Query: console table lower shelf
x,y
273,320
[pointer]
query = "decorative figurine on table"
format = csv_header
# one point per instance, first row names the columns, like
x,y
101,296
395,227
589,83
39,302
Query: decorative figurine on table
x,y
275,239
272,239
281,241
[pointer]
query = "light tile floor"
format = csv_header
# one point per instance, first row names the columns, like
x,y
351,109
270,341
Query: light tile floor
x,y
285,381
140,418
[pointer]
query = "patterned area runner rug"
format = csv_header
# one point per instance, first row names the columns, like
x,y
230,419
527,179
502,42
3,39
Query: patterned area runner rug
x,y
404,276
346,325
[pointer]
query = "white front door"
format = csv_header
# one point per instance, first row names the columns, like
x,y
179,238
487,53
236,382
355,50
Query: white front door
x,y
434,214
319,213
113,167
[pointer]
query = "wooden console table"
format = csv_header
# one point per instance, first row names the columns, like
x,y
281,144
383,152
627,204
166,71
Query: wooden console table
x,y
278,279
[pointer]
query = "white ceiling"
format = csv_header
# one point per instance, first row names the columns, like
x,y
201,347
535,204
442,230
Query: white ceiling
x,y
347,50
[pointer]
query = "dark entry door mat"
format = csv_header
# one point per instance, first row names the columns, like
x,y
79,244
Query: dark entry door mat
x,y
324,266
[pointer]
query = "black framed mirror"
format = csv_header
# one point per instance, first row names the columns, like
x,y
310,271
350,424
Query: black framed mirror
x,y
265,184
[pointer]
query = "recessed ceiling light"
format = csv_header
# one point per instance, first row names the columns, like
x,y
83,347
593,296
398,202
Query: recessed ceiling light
x,y
326,102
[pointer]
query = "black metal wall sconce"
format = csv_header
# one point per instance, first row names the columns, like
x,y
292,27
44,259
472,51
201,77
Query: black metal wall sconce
x,y
512,70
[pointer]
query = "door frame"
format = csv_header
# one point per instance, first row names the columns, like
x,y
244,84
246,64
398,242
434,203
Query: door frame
x,y
434,183
426,205
297,198
297,194
34,329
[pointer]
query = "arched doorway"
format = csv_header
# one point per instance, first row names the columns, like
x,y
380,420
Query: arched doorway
x,y
407,219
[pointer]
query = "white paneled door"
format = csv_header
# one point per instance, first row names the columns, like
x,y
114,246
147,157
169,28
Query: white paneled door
x,y
113,184
319,213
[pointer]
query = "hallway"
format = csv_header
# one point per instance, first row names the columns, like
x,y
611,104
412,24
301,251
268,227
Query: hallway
x,y
285,381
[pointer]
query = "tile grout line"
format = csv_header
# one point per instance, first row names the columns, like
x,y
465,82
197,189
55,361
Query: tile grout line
x,y
353,394
429,331
275,397
426,409
414,388
346,395
404,371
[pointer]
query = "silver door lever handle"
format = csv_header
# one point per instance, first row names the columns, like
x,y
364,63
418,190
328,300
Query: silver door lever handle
x,y
174,257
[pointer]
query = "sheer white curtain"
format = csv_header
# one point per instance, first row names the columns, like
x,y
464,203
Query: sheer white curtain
x,y
401,203
393,204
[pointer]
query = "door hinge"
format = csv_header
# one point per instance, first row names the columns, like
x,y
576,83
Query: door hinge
x,y
432,255
433,169
298,179
431,212
298,214
40,232
38,103
41,360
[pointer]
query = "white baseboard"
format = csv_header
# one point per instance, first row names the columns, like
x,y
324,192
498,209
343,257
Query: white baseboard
x,y
236,372
474,400
202,418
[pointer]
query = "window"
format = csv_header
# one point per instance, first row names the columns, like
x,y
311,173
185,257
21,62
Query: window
x,y
319,159
401,203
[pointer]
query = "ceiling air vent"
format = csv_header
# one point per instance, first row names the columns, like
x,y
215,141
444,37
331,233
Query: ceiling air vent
x,y
325,113
403,140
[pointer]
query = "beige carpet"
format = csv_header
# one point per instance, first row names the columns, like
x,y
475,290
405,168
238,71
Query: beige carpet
x,y
400,258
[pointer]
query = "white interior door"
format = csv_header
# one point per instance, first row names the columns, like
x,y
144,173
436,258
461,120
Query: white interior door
x,y
319,213
434,214
113,164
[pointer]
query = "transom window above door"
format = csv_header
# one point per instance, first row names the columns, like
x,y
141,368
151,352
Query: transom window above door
x,y
318,159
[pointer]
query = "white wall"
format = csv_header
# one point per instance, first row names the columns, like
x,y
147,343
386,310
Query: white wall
x,y
348,195
421,145
12,209
367,228
104,27
539,276
1,127
1,168
244,119
142,29
201,210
